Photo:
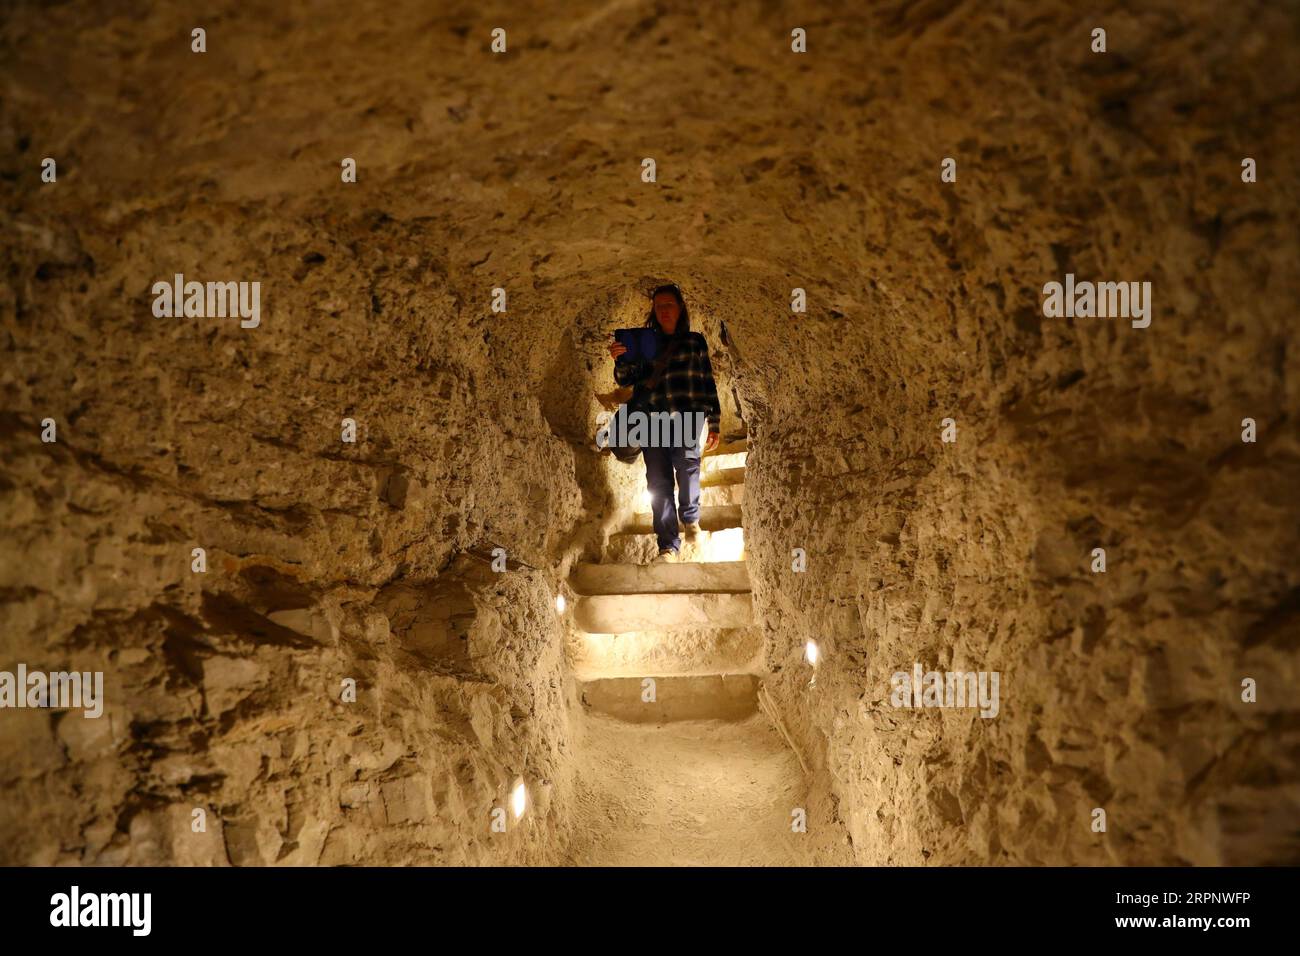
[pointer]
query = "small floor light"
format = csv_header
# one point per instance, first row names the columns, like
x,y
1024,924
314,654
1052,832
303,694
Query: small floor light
x,y
518,798
560,603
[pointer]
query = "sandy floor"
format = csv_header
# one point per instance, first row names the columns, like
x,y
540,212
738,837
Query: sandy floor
x,y
693,793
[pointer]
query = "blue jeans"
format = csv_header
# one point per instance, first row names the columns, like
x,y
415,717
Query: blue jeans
x,y
660,464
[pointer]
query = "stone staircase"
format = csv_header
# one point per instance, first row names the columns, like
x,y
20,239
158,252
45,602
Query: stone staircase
x,y
678,764
687,626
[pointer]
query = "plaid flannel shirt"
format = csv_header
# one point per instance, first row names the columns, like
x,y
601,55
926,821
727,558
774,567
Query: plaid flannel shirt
x,y
687,384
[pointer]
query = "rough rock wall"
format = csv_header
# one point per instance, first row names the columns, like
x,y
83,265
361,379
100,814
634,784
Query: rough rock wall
x,y
223,688
1120,691
775,170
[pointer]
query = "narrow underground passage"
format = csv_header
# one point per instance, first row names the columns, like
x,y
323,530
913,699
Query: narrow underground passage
x,y
681,755
677,765
349,652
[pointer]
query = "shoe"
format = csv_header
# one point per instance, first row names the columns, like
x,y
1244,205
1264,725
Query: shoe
x,y
666,556
692,529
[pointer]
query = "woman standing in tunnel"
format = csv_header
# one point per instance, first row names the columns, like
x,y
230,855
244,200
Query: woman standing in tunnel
x,y
680,380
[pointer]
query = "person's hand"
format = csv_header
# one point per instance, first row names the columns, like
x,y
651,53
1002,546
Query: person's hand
x,y
712,441
616,348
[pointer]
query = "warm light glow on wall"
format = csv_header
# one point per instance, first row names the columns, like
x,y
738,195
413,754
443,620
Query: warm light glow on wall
x,y
811,652
560,603
727,545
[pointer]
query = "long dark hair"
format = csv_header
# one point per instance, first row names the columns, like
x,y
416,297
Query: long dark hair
x,y
683,321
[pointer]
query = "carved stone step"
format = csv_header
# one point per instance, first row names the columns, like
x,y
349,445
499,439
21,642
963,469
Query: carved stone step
x,y
704,697
616,613
730,577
